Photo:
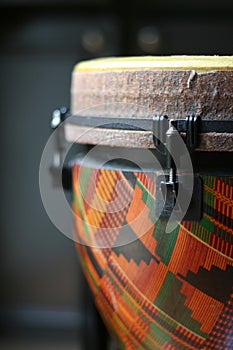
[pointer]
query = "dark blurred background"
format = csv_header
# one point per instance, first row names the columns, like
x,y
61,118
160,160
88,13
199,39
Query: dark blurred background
x,y
45,303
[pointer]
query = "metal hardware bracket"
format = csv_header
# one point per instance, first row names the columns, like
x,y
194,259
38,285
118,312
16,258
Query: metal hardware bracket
x,y
167,190
164,134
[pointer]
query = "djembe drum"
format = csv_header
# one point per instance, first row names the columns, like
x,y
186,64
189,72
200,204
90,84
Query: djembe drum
x,y
155,288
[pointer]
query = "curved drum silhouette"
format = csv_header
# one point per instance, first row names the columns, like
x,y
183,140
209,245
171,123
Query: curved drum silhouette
x,y
160,290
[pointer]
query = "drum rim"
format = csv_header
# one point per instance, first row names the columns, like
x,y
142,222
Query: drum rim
x,y
204,163
151,128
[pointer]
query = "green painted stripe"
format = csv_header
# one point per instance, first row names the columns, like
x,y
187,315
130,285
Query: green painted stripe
x,y
148,199
168,323
165,241
84,178
159,334
87,269
172,302
79,202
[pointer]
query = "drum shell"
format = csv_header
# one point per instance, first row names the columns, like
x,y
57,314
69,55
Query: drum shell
x,y
160,290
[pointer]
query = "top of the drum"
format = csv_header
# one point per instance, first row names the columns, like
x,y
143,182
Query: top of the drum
x,y
142,87
197,63
177,86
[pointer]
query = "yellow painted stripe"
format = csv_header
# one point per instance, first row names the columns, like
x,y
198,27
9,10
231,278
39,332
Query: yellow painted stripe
x,y
198,63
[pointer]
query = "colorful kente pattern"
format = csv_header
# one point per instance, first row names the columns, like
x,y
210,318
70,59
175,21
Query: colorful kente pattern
x,y
160,291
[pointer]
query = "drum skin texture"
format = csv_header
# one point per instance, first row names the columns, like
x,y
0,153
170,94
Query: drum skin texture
x,y
160,291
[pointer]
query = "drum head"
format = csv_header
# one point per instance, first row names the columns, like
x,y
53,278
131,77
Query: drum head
x,y
144,87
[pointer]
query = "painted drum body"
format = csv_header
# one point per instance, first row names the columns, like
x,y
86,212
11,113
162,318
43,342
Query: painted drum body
x,y
159,290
